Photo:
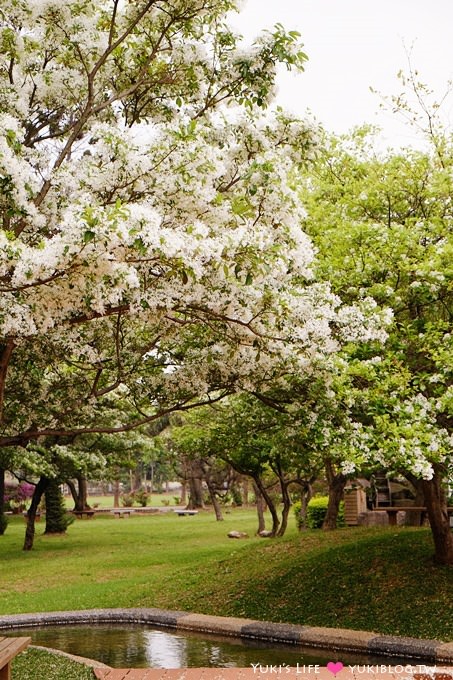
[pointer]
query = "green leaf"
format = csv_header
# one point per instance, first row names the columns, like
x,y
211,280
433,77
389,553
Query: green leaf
x,y
88,236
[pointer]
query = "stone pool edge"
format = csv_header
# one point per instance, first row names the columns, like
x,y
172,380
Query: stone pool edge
x,y
335,639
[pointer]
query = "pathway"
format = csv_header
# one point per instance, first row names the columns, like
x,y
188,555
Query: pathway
x,y
359,672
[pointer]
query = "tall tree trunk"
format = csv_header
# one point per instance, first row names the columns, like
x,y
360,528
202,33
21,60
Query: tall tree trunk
x,y
436,505
195,493
31,514
245,491
3,518
270,505
286,507
214,500
79,493
306,494
116,493
259,508
337,482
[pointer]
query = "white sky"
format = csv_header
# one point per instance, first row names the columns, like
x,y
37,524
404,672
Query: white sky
x,y
355,44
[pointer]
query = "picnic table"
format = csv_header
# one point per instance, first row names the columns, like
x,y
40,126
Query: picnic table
x,y
183,513
9,648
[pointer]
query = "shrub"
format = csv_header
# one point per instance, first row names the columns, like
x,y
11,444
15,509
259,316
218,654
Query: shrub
x,y
57,520
316,512
17,495
141,497
236,496
127,500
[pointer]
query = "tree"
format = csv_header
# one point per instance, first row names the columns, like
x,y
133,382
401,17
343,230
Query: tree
x,y
258,440
57,520
150,242
390,219
110,243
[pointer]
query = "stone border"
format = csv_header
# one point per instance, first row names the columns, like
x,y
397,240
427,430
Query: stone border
x,y
335,639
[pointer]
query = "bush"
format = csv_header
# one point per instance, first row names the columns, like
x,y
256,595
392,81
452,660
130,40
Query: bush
x,y
316,512
17,496
57,519
141,497
236,496
127,500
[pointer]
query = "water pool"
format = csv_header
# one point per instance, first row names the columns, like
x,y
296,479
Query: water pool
x,y
141,646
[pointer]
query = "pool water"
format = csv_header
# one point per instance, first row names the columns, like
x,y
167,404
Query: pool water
x,y
139,646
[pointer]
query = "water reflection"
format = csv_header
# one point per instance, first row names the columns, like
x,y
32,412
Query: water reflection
x,y
138,646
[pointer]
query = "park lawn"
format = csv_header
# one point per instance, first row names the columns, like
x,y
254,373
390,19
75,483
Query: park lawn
x,y
367,579
157,500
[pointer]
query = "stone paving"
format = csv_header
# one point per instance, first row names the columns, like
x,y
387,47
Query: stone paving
x,y
303,673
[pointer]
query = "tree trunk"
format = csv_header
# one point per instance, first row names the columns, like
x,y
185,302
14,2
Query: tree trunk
x,y
245,492
306,494
116,493
286,508
3,518
337,482
259,508
195,493
270,505
79,493
31,514
436,505
215,500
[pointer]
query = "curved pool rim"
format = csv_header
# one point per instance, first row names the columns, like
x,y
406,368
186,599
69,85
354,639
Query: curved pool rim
x,y
329,639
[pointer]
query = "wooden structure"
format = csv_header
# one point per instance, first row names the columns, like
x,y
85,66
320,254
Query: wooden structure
x,y
183,513
354,504
9,648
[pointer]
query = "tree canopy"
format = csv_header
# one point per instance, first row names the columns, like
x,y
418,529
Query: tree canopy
x,y
150,242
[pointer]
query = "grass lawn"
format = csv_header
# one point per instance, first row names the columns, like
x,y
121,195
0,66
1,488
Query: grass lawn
x,y
37,663
370,579
157,500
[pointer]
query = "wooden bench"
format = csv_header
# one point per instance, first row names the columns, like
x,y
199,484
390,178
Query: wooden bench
x,y
84,513
182,513
9,648
122,512
393,510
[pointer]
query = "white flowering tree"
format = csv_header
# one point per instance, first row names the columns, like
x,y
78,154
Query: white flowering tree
x,y
150,240
390,217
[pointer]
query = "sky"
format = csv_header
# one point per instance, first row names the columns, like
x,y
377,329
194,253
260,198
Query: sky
x,y
353,45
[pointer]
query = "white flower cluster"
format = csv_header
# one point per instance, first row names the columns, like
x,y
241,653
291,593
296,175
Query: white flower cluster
x,y
187,231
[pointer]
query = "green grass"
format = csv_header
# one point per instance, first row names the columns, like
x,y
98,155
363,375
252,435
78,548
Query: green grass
x,y
37,663
368,579
157,500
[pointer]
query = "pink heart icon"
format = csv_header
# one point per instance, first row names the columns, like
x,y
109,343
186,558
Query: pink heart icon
x,y
335,667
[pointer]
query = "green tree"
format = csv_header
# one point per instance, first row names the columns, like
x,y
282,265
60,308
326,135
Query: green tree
x,y
383,225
